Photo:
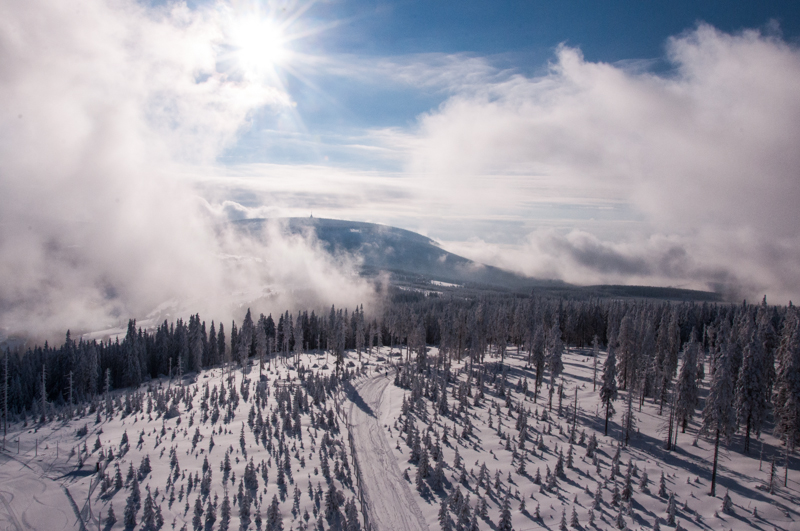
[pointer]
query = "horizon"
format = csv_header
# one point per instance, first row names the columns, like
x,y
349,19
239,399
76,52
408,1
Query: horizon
x,y
613,144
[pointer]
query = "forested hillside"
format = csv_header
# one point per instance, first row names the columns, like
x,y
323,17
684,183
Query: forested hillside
x,y
758,344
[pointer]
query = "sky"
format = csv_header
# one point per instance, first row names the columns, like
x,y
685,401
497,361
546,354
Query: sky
x,y
594,142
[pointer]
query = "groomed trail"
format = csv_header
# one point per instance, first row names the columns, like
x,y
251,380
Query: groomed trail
x,y
30,501
390,503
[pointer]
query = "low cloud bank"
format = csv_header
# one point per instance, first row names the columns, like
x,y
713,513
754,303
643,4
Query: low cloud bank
x,y
705,154
105,106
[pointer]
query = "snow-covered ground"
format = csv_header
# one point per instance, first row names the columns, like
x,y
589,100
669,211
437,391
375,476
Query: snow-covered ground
x,y
687,470
44,465
388,497
47,481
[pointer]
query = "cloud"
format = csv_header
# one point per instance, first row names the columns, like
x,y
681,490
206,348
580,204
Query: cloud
x,y
704,156
106,107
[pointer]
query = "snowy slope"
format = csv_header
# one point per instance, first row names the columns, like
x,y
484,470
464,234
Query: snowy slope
x,y
34,480
36,485
389,499
687,470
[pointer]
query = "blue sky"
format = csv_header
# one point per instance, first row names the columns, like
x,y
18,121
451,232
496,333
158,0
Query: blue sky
x,y
519,37
538,136
594,142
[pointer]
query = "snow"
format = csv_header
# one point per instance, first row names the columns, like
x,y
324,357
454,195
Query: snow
x,y
36,486
390,501
31,500
445,284
687,469
34,483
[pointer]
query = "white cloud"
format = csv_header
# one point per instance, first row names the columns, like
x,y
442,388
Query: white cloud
x,y
705,154
104,102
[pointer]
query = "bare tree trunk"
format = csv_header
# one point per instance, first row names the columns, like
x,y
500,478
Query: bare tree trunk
x,y
714,468
786,465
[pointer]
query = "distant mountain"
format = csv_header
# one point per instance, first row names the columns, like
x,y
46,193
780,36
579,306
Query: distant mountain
x,y
418,261
405,254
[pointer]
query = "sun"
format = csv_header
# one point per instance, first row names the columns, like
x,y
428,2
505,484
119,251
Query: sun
x,y
258,44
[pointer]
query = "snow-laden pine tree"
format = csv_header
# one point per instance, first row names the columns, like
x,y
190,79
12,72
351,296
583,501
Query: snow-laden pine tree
x,y
626,351
751,396
687,389
111,518
444,516
505,515
274,520
211,515
787,382
719,417
213,346
595,356
555,351
608,391
536,358
130,512
197,519
132,368
628,418
668,342
245,339
261,342
225,513
672,509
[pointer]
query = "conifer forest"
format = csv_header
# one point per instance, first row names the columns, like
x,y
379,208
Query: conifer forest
x,y
477,412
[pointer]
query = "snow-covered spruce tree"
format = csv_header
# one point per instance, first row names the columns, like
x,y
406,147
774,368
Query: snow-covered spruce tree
x,y
598,496
555,351
149,514
444,516
687,390
595,356
225,513
274,520
627,486
573,521
536,358
644,482
111,518
505,515
626,352
129,516
718,414
787,385
727,504
619,521
628,418
136,494
211,515
608,391
197,519
244,511
672,509
668,342
751,392
591,446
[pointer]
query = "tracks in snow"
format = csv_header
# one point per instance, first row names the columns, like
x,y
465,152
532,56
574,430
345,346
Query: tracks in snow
x,y
389,500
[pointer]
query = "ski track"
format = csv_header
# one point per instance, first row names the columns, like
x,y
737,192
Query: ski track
x,y
10,515
390,502
39,508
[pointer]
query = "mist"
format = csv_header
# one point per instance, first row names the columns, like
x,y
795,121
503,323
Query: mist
x,y
684,177
107,108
